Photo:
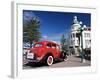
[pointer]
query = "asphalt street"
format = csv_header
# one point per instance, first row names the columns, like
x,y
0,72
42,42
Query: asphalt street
x,y
73,61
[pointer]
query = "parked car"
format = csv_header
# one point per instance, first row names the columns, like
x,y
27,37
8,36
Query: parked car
x,y
45,52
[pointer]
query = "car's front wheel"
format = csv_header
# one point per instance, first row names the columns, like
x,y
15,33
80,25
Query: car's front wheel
x,y
49,60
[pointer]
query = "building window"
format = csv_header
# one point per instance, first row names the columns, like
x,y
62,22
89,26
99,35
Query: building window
x,y
87,35
77,41
73,42
73,35
87,43
84,34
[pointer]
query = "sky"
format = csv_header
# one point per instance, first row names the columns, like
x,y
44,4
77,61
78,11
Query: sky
x,y
55,24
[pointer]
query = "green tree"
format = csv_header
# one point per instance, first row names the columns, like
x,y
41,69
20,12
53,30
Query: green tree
x,y
64,45
31,31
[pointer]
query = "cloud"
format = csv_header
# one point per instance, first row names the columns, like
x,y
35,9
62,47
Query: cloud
x,y
56,38
45,37
27,15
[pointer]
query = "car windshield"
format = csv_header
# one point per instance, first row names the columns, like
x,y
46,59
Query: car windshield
x,y
37,45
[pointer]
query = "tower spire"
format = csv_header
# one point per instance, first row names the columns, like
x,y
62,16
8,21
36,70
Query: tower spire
x,y
75,21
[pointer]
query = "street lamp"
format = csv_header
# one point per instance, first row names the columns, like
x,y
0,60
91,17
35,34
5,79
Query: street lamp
x,y
81,29
82,50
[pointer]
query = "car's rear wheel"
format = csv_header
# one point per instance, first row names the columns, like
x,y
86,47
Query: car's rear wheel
x,y
49,60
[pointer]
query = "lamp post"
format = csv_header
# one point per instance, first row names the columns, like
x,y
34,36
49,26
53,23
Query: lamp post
x,y
81,29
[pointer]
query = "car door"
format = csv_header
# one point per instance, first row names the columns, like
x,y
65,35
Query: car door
x,y
55,50
58,51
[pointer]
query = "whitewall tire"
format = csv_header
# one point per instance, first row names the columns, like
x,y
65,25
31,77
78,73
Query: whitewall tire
x,y
49,60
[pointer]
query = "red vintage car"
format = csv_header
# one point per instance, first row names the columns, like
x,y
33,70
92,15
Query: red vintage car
x,y
45,52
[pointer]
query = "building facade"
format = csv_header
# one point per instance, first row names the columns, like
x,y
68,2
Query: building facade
x,y
75,38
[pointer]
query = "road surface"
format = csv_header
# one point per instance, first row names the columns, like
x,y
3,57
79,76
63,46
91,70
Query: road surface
x,y
73,61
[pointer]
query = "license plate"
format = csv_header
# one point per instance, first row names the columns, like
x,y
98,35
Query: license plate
x,y
30,55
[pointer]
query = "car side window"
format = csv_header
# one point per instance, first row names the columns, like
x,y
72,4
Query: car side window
x,y
37,45
57,47
48,45
54,46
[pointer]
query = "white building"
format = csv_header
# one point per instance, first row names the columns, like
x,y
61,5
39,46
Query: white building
x,y
75,39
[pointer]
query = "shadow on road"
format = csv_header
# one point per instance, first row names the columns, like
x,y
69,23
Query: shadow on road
x,y
34,65
37,65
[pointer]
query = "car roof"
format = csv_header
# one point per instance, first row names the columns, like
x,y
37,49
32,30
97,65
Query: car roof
x,y
46,42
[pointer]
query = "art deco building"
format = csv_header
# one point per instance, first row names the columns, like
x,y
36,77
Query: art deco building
x,y
75,38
